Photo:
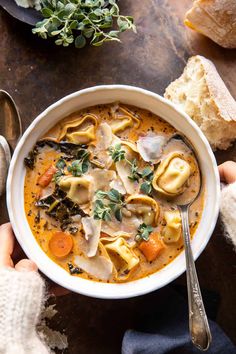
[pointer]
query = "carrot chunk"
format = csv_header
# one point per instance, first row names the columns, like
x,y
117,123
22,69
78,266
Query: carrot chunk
x,y
60,244
152,247
47,176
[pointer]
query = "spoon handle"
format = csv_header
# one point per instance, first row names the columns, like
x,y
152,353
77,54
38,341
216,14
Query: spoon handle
x,y
198,323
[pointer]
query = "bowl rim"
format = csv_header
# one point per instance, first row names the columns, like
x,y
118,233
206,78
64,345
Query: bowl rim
x,y
102,294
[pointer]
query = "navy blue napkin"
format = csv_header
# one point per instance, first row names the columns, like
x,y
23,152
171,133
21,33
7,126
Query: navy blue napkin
x,y
165,331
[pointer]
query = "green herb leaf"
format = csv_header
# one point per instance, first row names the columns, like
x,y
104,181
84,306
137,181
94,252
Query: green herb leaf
x,y
60,164
146,187
116,153
80,41
78,20
101,211
143,232
135,175
81,165
108,203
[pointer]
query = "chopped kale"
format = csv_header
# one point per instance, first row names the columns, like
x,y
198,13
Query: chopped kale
x,y
73,269
69,149
30,160
59,207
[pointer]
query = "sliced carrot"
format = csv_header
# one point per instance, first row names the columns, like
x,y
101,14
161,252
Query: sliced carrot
x,y
47,176
60,244
152,247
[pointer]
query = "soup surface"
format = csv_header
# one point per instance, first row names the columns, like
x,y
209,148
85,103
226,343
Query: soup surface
x,y
100,193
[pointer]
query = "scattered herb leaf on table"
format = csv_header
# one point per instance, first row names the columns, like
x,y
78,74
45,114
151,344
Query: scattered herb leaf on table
x,y
79,21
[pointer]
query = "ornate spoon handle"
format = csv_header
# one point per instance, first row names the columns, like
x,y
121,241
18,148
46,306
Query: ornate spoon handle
x,y
198,323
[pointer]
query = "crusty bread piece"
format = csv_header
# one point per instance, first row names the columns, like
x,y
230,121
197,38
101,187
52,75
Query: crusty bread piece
x,y
202,94
215,19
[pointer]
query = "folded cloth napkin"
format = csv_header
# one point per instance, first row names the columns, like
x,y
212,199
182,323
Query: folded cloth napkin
x,y
165,331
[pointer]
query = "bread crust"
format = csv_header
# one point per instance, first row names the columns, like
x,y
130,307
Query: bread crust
x,y
203,95
215,19
218,91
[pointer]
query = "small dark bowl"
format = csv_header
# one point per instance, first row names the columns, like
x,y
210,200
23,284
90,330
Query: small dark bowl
x,y
29,16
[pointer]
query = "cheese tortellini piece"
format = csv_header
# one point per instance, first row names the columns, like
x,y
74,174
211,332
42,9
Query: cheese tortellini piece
x,y
123,120
78,189
121,248
172,230
171,175
81,130
144,206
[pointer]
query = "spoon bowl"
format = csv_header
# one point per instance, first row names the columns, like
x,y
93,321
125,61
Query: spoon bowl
x,y
10,122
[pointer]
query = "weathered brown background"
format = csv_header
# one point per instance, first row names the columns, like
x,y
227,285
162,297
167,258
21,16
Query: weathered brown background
x,y
37,73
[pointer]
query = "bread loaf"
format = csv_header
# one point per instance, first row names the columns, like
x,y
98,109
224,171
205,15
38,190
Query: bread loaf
x,y
215,19
202,94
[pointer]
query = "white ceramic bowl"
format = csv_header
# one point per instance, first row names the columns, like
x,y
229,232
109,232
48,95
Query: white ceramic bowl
x,y
89,97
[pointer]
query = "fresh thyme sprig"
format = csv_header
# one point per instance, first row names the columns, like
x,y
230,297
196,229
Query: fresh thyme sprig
x,y
79,21
108,203
143,232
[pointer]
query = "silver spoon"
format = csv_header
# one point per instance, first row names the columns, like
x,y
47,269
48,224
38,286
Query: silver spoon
x,y
10,122
11,131
198,322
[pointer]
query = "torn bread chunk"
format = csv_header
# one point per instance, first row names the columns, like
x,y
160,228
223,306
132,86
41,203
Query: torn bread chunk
x,y
202,94
215,19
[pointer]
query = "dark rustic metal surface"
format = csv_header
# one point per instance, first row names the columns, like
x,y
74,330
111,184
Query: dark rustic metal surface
x,y
37,73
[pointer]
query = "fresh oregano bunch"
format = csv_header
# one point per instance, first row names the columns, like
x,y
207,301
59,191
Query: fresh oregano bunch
x,y
79,21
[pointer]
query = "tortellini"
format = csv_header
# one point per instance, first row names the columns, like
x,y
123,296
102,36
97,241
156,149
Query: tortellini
x,y
81,130
121,248
78,189
123,121
171,175
144,206
172,230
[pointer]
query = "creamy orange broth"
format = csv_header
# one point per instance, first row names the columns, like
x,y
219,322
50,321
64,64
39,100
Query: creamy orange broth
x,y
149,122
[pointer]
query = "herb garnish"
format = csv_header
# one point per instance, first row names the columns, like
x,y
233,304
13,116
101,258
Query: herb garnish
x,y
146,174
116,153
60,165
143,232
81,165
108,203
76,21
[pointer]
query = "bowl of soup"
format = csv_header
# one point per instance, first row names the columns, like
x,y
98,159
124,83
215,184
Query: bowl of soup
x,y
92,190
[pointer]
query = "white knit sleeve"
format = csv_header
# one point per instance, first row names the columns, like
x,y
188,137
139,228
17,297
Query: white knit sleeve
x,y
228,211
21,300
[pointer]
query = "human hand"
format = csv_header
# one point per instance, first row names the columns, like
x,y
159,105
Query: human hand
x,y
11,255
227,172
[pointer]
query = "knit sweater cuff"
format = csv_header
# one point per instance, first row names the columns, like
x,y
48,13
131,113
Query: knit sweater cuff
x,y
21,301
228,211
